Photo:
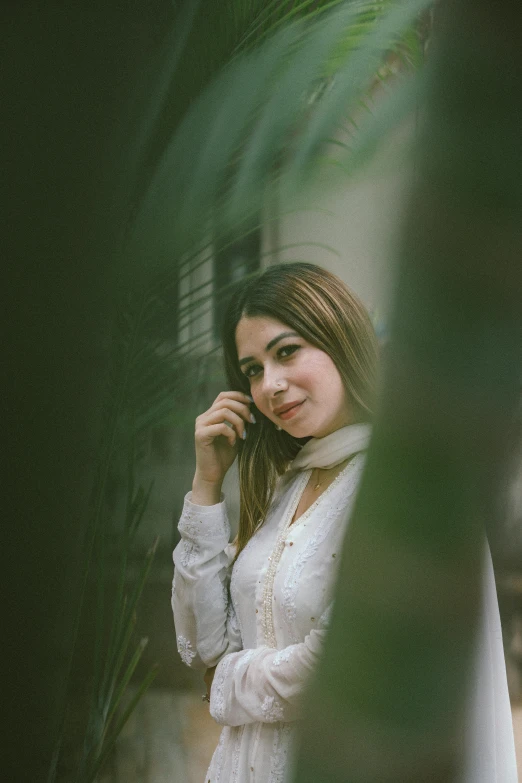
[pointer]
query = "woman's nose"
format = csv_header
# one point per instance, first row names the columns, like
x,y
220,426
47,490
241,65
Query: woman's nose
x,y
274,381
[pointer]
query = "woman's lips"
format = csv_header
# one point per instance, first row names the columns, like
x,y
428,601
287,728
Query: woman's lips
x,y
291,411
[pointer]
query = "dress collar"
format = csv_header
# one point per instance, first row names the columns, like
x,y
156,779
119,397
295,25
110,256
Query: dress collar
x,y
333,449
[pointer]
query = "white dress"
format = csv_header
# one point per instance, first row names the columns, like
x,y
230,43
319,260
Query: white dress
x,y
490,756
265,622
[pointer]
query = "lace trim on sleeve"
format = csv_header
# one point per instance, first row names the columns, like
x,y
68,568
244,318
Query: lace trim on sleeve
x,y
196,521
217,691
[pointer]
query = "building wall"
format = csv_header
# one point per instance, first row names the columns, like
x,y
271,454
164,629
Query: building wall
x,y
360,220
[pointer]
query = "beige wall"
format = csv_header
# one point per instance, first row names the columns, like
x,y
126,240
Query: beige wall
x,y
359,216
360,220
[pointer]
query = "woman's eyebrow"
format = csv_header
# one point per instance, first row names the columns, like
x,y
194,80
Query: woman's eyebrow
x,y
270,345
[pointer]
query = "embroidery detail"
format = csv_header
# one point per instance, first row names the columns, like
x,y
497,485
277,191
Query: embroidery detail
x,y
291,584
293,577
236,755
283,656
272,710
185,650
281,750
193,524
245,658
188,553
217,692
267,617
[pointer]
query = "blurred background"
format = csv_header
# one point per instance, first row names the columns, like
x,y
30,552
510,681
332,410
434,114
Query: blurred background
x,y
156,154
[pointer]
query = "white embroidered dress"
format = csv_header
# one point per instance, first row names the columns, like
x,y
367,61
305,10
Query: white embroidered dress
x,y
264,620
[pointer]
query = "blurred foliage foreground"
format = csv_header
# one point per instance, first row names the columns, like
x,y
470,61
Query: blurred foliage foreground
x,y
137,138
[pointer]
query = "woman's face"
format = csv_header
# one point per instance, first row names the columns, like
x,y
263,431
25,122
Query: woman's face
x,y
293,383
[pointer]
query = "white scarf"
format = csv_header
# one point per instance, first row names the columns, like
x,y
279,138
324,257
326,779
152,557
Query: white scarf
x,y
333,449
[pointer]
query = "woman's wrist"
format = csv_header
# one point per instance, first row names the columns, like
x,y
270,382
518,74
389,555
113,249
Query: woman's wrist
x,y
205,493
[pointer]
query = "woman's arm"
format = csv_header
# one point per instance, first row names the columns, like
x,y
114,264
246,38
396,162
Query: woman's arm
x,y
264,684
206,627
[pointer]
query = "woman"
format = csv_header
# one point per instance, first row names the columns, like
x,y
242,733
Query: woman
x,y
300,355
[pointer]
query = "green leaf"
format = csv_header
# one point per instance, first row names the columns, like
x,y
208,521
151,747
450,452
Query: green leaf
x,y
110,741
350,83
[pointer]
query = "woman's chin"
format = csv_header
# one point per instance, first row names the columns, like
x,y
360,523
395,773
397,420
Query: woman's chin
x,y
314,431
300,430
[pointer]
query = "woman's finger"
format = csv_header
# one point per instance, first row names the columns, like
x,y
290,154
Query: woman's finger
x,y
234,395
241,408
228,416
213,430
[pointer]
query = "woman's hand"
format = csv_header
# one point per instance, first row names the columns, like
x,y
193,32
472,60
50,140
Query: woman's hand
x,y
208,677
217,431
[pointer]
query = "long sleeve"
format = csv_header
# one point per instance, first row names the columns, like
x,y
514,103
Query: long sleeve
x,y
204,618
264,684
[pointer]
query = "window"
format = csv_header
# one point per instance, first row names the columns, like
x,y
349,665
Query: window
x,y
231,264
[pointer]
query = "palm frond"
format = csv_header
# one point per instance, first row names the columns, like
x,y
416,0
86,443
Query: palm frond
x,y
241,127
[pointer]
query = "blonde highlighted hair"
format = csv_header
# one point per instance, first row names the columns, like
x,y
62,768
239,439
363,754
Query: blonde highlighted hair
x,y
322,309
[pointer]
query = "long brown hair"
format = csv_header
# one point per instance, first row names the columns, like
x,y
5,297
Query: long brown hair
x,y
323,310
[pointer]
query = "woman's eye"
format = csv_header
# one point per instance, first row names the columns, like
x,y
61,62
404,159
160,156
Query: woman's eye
x,y
288,350
251,370
283,353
